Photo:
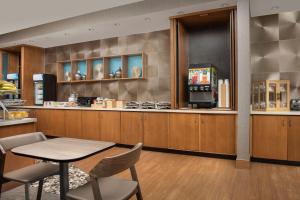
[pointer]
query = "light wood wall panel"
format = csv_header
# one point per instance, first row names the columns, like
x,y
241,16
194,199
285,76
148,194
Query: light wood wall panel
x,y
32,62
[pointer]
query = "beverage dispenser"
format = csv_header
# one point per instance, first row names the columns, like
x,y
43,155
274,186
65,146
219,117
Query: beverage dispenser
x,y
202,85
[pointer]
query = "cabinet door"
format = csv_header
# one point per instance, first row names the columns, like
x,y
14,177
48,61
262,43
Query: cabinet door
x,y
217,134
51,122
294,138
269,137
156,129
90,125
131,127
73,123
184,131
109,125
42,121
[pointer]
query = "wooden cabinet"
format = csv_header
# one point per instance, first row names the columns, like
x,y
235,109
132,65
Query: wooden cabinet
x,y
269,137
184,131
51,122
43,121
90,125
156,129
131,127
294,138
217,134
73,123
110,126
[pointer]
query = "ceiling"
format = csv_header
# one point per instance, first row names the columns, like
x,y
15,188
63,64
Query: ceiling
x,y
16,15
140,17
267,7
61,22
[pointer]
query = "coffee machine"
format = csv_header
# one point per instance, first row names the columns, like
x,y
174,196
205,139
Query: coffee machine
x,y
202,85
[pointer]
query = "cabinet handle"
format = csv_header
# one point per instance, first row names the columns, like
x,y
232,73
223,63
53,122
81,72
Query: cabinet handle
x,y
290,123
283,124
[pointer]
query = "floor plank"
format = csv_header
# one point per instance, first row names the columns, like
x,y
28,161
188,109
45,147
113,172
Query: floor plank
x,y
166,176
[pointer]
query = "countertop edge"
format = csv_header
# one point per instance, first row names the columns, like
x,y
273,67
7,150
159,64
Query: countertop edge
x,y
17,122
232,112
287,113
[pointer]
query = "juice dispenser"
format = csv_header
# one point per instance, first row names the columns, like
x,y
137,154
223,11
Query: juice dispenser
x,y
202,85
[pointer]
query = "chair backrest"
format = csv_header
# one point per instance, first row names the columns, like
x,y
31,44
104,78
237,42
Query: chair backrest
x,y
110,166
11,142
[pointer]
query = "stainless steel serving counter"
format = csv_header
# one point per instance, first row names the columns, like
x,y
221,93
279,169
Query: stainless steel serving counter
x,y
17,122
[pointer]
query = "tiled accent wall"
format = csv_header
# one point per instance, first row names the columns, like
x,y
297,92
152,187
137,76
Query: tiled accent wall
x,y
275,48
156,87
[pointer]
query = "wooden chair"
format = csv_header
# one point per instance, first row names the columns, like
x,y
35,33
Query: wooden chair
x,y
102,186
29,174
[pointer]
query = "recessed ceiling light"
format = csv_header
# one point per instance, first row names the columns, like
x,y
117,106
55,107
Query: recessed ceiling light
x,y
274,7
225,4
147,19
117,24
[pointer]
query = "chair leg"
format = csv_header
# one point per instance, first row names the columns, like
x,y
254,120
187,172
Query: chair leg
x,y
139,193
27,191
40,190
135,178
0,189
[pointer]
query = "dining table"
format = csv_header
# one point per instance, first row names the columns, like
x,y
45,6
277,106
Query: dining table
x,y
63,151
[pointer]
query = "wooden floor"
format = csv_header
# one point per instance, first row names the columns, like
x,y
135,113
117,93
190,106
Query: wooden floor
x,y
179,177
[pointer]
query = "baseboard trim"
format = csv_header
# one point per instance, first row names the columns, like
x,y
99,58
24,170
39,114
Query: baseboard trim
x,y
273,161
182,152
242,164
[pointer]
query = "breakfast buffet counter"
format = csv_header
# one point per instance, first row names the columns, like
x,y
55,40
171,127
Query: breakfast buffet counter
x,y
182,129
195,111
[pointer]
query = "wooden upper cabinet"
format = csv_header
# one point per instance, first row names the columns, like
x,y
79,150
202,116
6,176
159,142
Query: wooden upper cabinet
x,y
51,122
269,137
73,123
110,126
294,138
131,127
90,125
217,134
184,131
156,129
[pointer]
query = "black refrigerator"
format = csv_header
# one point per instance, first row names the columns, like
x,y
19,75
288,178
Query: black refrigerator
x,y
44,88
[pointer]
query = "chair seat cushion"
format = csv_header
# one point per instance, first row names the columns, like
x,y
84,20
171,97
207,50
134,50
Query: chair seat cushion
x,y
110,188
33,173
